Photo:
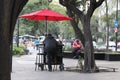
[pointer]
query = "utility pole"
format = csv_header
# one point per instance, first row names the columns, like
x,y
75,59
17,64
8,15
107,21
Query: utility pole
x,y
107,25
116,33
18,32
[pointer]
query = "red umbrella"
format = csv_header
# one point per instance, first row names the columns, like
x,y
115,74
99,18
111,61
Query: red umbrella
x,y
45,14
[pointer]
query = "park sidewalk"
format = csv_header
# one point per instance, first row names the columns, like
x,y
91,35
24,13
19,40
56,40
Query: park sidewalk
x,y
24,69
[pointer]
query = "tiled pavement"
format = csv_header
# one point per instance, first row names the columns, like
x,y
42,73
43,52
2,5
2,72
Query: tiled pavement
x,y
24,69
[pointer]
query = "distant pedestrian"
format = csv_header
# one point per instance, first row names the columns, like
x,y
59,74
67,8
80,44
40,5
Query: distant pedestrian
x,y
36,42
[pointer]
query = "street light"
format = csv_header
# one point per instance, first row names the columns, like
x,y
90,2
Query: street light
x,y
117,24
18,32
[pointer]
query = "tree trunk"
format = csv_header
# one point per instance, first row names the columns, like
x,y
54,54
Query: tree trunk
x,y
89,62
74,23
5,65
9,11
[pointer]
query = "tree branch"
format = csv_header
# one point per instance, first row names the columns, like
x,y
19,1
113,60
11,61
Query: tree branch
x,y
93,6
72,8
17,6
99,3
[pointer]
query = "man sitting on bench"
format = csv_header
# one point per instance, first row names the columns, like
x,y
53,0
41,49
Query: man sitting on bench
x,y
50,47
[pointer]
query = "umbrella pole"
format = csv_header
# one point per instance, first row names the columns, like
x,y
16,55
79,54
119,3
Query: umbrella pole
x,y
46,26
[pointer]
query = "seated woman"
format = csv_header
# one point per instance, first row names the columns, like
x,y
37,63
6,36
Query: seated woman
x,y
77,46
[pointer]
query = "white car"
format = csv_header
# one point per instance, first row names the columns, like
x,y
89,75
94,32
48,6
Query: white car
x,y
111,44
41,38
94,44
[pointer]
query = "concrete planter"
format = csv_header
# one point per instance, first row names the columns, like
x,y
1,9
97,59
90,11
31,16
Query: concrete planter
x,y
112,57
98,56
67,54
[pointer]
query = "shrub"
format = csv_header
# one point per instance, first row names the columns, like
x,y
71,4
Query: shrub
x,y
18,50
67,48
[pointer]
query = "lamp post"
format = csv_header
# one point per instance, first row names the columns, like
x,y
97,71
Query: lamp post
x,y
47,2
18,32
116,33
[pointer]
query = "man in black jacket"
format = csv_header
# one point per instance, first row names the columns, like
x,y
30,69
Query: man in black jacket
x,y
50,47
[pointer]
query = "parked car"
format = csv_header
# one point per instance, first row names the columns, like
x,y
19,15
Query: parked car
x,y
41,38
94,44
118,44
111,44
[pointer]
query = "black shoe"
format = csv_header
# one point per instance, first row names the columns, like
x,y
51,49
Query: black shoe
x,y
50,70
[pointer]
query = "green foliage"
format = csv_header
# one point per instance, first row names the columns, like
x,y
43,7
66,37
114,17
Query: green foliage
x,y
37,28
94,26
114,52
67,48
18,50
112,38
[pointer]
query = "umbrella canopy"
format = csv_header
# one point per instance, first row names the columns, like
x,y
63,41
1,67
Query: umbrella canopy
x,y
45,14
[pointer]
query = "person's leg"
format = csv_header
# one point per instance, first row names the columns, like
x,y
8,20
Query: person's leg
x,y
37,47
49,62
53,55
74,53
78,52
45,57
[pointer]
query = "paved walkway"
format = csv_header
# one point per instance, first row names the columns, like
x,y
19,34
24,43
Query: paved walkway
x,y
24,69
